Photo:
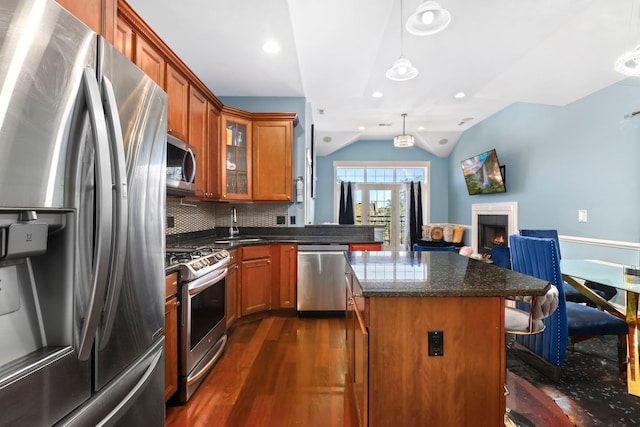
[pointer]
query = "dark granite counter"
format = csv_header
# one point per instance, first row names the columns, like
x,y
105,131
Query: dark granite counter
x,y
437,274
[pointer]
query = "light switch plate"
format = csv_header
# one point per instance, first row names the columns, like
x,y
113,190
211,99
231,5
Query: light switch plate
x,y
582,215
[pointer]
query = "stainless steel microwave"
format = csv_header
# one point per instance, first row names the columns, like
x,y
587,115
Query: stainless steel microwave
x,y
181,167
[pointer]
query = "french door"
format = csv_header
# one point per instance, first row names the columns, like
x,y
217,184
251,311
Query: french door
x,y
383,204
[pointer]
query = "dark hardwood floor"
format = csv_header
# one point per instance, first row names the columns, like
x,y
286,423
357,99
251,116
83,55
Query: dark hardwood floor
x,y
289,371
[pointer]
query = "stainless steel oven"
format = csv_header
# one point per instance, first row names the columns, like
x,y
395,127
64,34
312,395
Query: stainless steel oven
x,y
202,314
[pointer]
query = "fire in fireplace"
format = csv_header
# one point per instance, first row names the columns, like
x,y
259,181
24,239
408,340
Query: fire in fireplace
x,y
492,231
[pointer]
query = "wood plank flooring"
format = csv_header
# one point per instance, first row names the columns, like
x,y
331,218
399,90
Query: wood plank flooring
x,y
278,371
289,371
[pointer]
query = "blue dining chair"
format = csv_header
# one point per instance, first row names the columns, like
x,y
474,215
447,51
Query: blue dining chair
x,y
570,293
570,322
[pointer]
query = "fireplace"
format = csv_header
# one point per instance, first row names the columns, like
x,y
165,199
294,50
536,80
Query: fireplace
x,y
492,231
492,223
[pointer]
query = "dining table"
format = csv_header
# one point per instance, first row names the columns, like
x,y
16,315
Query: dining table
x,y
621,277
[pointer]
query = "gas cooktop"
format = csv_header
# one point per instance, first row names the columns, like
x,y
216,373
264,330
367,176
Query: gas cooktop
x,y
195,262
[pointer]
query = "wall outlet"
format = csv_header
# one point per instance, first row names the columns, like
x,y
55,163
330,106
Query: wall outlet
x,y
171,222
280,219
292,219
582,215
436,343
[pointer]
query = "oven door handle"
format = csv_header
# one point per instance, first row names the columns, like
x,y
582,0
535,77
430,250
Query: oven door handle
x,y
196,286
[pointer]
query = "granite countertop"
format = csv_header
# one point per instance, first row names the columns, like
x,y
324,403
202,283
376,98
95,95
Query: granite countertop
x,y
227,243
437,274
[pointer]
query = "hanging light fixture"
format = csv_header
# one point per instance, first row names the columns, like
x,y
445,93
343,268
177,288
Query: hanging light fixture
x,y
629,63
401,69
430,18
404,140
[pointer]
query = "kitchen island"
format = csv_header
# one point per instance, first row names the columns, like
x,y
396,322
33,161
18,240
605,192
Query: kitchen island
x,y
426,339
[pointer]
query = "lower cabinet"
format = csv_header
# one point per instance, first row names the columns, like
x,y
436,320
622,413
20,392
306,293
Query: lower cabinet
x,y
171,336
285,276
255,279
365,247
232,288
357,337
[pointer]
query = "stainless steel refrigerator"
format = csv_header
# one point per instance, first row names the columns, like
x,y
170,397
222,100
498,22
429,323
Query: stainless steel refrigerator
x,y
82,208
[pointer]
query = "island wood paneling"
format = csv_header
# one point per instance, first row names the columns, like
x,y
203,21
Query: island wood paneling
x,y
463,387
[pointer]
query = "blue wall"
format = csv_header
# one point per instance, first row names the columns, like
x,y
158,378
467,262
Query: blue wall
x,y
561,159
381,151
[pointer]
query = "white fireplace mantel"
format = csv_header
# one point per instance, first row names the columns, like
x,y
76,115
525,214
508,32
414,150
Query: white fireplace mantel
x,y
510,209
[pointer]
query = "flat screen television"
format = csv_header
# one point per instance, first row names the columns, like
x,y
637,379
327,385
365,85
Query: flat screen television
x,y
483,174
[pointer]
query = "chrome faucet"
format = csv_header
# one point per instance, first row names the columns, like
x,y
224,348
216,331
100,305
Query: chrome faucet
x,y
233,222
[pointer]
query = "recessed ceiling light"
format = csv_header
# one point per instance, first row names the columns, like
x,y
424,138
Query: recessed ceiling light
x,y
377,94
271,46
361,128
460,95
443,141
327,139
420,127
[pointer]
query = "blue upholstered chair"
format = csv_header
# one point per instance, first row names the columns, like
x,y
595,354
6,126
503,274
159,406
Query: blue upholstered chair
x,y
501,257
420,248
570,293
538,257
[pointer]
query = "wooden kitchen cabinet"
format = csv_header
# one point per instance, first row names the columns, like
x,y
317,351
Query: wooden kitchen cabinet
x,y
124,38
198,136
255,279
365,247
99,15
171,336
357,342
212,178
177,88
272,157
285,276
151,61
236,145
232,288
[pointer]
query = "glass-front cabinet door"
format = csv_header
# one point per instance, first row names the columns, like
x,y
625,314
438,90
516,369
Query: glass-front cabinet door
x,y
236,158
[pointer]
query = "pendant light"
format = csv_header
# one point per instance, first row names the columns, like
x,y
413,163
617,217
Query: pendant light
x,y
401,69
629,62
430,18
404,140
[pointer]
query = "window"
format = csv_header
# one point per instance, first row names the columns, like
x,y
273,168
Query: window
x,y
380,191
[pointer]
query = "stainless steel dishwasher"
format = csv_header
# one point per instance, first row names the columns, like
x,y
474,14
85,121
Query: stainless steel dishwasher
x,y
321,271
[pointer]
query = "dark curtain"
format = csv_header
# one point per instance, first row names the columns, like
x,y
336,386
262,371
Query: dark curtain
x,y
346,211
414,214
349,214
341,210
413,237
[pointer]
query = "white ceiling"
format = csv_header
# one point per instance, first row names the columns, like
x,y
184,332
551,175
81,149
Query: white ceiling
x,y
335,54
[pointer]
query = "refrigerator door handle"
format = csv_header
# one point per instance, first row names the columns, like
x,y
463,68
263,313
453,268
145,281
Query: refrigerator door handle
x,y
113,416
120,213
103,213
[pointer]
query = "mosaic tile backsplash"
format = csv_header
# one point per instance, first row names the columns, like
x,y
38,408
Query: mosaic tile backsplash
x,y
192,215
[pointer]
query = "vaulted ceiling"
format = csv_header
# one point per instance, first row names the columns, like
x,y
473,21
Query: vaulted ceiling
x,y
335,54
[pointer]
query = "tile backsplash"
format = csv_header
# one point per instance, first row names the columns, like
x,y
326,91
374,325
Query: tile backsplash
x,y
193,215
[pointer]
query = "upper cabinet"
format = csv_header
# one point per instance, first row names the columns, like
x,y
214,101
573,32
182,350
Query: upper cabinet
x,y
272,157
213,171
99,15
150,60
123,38
177,87
235,143
198,135
240,156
